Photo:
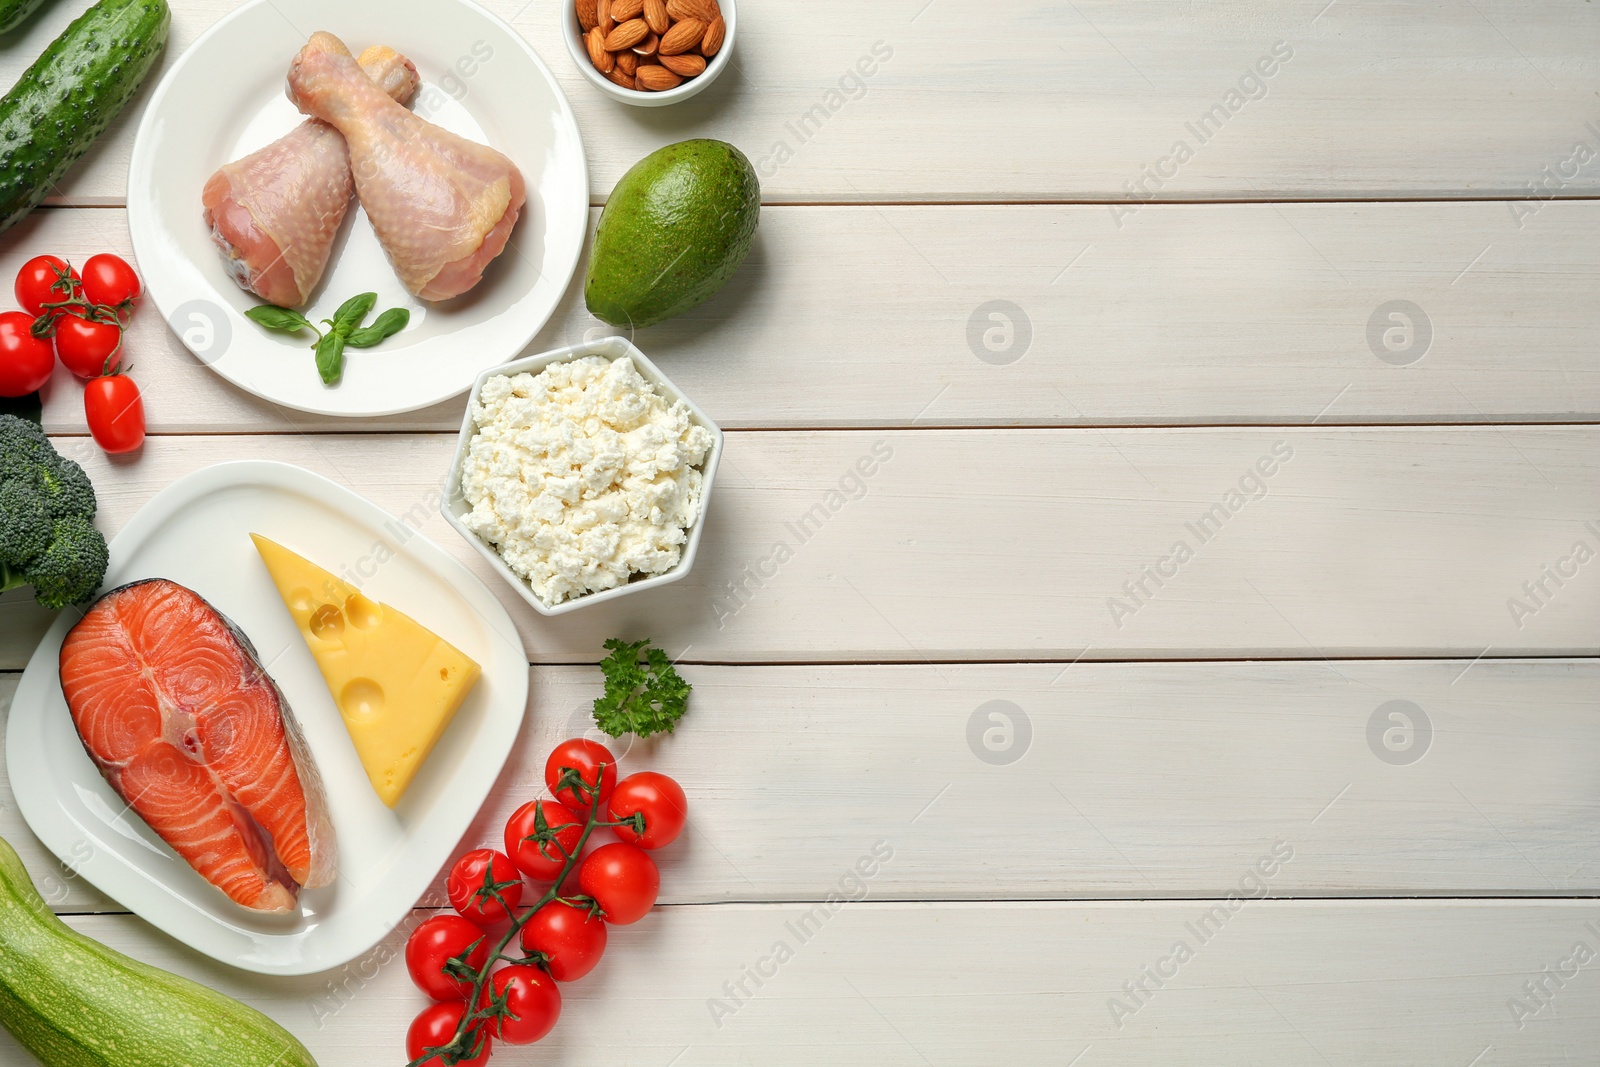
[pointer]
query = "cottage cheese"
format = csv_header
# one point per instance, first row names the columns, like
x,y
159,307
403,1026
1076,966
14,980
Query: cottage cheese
x,y
583,476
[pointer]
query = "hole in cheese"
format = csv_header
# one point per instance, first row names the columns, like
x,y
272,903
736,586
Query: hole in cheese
x,y
327,622
363,613
362,698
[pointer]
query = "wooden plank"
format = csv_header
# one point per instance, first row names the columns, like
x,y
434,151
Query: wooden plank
x,y
1003,545
1083,101
1138,781
1297,984
1194,314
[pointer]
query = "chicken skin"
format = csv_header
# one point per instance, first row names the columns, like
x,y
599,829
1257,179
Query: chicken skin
x,y
275,213
442,206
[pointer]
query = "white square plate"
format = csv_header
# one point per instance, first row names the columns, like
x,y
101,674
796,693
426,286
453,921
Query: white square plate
x,y
197,532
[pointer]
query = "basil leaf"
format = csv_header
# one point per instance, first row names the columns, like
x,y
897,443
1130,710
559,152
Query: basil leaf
x,y
351,312
383,327
273,317
330,358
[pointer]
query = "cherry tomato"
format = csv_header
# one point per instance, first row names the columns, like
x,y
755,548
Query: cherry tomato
x,y
542,863
659,799
86,348
623,880
25,360
108,279
44,280
571,939
533,1004
585,757
115,411
475,879
436,1027
434,944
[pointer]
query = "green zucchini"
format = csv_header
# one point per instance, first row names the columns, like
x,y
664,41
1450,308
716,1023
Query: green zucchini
x,y
14,12
70,95
73,1002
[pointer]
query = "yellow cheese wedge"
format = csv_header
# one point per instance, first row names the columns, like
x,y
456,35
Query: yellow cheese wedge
x,y
397,684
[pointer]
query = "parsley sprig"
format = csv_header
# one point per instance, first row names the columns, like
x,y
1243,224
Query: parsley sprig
x,y
642,699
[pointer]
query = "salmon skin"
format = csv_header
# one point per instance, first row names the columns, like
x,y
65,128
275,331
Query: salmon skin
x,y
174,708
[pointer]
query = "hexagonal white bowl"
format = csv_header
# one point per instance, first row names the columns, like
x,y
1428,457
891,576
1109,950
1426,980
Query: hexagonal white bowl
x,y
455,506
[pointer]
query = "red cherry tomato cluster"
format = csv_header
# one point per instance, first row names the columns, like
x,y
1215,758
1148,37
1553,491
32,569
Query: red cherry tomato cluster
x,y
79,319
472,957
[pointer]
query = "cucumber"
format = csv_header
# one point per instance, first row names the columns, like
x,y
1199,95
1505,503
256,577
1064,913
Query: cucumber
x,y
73,1002
70,95
14,12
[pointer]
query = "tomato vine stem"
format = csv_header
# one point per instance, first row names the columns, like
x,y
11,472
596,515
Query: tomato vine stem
x,y
469,1038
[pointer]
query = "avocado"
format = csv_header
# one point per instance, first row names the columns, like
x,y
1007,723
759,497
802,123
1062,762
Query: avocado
x,y
673,232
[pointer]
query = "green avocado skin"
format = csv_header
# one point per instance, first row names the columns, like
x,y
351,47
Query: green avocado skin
x,y
673,232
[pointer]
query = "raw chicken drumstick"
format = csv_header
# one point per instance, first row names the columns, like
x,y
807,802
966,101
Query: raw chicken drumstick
x,y
275,213
442,206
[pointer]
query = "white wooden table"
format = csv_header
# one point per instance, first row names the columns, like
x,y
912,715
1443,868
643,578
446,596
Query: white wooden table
x,y
991,263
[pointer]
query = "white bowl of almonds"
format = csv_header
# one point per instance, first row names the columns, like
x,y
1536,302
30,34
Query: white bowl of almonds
x,y
649,53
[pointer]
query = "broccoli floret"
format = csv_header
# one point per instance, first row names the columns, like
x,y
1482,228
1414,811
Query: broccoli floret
x,y
70,570
26,452
47,536
67,490
21,435
24,521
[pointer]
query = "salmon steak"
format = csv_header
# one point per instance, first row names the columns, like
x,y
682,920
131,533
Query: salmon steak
x,y
174,708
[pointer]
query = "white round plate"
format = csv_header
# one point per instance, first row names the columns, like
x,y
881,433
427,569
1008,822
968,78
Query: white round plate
x,y
197,532
224,98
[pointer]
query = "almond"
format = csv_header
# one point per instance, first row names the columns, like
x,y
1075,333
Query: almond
x,y
704,10
686,65
602,16
679,9
648,46
624,80
627,34
628,63
595,41
623,10
588,15
656,78
655,13
682,37
716,33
